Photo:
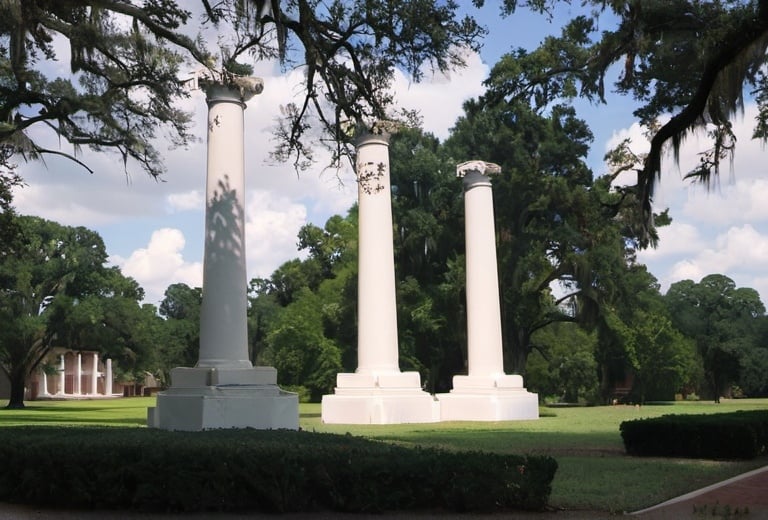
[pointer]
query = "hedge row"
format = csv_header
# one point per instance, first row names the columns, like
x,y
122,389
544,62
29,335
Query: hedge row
x,y
737,435
260,471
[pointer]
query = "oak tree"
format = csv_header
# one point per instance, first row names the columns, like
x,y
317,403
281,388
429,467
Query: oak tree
x,y
124,60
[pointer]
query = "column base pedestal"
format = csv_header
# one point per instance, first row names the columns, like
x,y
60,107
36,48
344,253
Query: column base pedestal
x,y
210,398
386,398
491,398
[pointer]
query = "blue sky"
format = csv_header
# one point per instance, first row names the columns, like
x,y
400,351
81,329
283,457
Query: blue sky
x,y
154,230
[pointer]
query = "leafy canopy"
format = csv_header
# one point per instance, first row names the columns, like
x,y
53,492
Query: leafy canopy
x,y
125,60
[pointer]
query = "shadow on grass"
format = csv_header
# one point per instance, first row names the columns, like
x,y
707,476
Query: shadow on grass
x,y
53,420
514,442
65,409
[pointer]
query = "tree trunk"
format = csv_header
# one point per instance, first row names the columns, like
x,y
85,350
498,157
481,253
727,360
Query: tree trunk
x,y
18,382
520,348
605,383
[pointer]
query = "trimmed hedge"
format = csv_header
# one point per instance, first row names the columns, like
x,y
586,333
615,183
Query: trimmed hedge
x,y
256,470
737,435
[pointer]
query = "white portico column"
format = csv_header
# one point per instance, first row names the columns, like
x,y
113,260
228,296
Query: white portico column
x,y
62,376
224,390
95,374
45,382
79,374
486,393
108,377
378,392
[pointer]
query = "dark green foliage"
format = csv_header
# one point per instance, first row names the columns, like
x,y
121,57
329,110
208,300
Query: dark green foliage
x,y
692,60
55,290
724,322
265,471
738,435
569,372
127,58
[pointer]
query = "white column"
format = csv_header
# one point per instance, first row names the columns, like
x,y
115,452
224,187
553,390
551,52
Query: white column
x,y
62,376
78,374
108,377
95,374
223,326
224,389
484,346
486,393
45,383
377,345
378,392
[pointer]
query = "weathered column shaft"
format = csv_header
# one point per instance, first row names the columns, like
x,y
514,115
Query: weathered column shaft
x,y
78,374
224,390
62,376
95,374
223,325
108,377
377,345
485,350
45,383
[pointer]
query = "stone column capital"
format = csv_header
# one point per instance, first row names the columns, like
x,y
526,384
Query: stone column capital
x,y
481,167
228,87
361,132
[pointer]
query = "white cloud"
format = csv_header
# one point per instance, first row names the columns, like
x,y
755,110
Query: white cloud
x,y
160,264
739,252
760,284
720,230
736,249
60,204
190,200
272,224
440,96
678,238
743,200
684,270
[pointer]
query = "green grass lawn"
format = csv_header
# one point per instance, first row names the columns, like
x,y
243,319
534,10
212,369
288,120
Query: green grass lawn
x,y
594,472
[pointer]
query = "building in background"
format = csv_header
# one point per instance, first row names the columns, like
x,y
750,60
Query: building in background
x,y
76,374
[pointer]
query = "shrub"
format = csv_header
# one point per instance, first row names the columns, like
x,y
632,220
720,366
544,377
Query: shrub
x,y
738,435
301,391
256,470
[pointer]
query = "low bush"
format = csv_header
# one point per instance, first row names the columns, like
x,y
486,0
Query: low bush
x,y
255,470
737,435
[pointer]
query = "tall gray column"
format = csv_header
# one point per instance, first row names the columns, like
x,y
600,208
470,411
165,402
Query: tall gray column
x,y
224,390
223,325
